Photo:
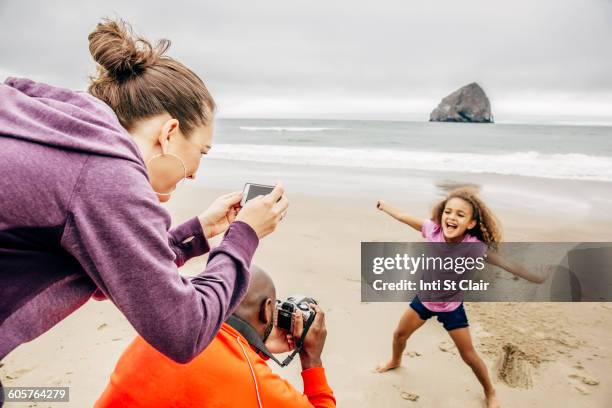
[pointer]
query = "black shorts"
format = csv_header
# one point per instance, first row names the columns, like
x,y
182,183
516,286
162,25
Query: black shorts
x,y
450,320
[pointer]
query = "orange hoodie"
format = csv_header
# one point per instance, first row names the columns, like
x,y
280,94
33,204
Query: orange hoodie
x,y
228,373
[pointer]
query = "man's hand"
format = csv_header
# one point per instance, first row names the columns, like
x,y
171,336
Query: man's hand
x,y
221,213
279,341
310,355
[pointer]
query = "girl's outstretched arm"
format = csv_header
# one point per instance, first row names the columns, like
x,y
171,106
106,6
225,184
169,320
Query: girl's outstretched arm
x,y
514,268
400,215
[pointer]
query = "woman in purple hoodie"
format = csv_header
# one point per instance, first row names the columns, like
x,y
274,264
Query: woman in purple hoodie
x,y
82,180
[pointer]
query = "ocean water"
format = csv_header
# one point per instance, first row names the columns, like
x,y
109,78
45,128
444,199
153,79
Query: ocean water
x,y
540,151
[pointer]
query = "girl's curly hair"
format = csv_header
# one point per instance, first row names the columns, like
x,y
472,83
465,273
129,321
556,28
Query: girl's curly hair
x,y
487,229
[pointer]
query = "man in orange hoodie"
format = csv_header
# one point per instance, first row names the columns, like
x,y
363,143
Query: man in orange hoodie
x,y
231,371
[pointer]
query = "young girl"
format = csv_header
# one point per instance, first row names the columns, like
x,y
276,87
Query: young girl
x,y
461,217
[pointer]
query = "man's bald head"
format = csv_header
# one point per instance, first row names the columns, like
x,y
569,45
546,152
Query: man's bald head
x,y
257,307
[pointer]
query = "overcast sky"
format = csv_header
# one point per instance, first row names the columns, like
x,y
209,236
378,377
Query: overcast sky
x,y
343,58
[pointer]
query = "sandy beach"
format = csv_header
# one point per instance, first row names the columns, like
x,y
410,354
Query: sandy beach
x,y
540,354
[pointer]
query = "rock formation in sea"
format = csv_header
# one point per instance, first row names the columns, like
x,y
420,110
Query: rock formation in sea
x,y
466,104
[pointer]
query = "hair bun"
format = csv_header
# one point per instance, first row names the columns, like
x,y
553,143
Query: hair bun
x,y
115,49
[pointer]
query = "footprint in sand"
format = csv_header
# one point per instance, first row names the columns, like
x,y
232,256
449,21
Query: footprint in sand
x,y
590,381
581,390
18,373
585,379
410,396
447,347
412,354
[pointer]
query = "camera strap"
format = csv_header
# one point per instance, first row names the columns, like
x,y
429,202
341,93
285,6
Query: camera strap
x,y
253,338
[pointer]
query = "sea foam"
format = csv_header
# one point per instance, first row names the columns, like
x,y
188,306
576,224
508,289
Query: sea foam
x,y
287,128
574,166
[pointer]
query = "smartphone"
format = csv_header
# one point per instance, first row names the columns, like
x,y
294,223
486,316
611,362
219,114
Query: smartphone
x,y
252,190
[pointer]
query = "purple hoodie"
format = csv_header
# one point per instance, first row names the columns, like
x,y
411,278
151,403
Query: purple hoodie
x,y
77,213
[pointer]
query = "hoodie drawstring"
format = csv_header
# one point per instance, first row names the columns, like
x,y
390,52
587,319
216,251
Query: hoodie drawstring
x,y
252,372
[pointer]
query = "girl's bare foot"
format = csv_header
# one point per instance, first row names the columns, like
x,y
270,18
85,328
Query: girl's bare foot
x,y
390,365
492,401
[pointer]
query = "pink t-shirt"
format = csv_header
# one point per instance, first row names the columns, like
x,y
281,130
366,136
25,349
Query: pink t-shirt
x,y
432,232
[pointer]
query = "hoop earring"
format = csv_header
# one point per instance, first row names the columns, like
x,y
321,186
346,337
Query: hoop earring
x,y
184,171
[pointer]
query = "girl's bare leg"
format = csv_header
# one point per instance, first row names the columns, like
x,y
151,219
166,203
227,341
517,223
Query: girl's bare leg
x,y
463,341
409,322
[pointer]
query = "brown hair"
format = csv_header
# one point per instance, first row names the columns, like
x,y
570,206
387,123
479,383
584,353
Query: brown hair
x,y
138,81
487,229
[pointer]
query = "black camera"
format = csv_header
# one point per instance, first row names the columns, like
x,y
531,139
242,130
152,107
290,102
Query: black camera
x,y
286,308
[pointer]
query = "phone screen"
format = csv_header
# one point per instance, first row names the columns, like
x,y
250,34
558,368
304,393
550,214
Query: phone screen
x,y
257,190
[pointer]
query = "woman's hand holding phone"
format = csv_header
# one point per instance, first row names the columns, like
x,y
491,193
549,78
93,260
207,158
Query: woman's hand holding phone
x,y
263,213
220,214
